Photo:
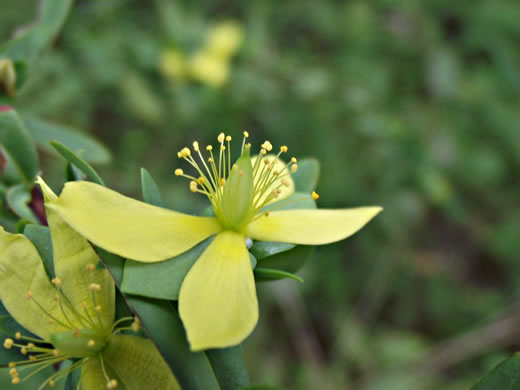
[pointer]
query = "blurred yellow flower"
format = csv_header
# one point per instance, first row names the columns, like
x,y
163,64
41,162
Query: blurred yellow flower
x,y
172,64
209,70
224,39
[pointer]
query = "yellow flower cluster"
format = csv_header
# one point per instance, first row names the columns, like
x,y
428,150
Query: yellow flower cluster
x,y
211,64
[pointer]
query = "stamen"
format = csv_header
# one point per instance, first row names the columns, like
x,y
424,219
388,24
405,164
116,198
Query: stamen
x,y
179,172
314,195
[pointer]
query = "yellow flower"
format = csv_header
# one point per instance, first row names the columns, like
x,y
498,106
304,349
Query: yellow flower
x,y
217,299
224,39
209,69
72,314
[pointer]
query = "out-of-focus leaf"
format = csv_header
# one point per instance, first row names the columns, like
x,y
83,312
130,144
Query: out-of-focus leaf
x,y
43,131
150,189
268,274
16,141
229,367
40,236
505,376
307,175
260,387
81,164
18,199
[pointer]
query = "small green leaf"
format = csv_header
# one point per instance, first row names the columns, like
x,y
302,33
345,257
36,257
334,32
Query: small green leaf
x,y
167,276
268,274
43,131
81,164
307,175
18,199
150,189
505,376
261,249
260,387
163,325
40,236
229,367
17,143
288,261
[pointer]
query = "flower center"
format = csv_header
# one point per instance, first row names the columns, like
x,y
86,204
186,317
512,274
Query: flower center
x,y
238,192
82,343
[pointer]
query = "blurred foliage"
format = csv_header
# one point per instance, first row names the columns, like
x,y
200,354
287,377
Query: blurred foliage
x,y
410,105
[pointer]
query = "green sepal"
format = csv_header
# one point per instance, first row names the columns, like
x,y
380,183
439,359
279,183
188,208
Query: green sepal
x,y
40,236
307,176
75,344
72,381
150,189
81,164
17,143
18,198
43,131
505,376
268,275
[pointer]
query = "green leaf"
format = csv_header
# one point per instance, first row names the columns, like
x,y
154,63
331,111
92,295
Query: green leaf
x,y
167,276
81,164
43,131
26,48
229,367
288,261
163,325
268,274
307,175
8,328
32,383
72,380
40,236
260,387
18,199
150,189
261,249
505,376
16,141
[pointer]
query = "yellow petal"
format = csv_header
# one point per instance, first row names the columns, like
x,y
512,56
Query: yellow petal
x,y
311,227
21,272
127,227
72,253
285,190
217,301
138,365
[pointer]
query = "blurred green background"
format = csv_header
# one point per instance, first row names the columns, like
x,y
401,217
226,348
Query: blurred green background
x,y
410,105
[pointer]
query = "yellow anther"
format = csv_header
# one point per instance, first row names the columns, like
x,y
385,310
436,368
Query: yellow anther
x,y
285,182
32,358
276,173
112,384
210,160
185,152
8,343
12,364
55,352
228,138
246,134
15,380
13,372
267,213
91,343
91,267
98,308
222,147
136,325
94,287
17,335
294,168
56,297
266,161
52,383
76,332
284,149
263,152
179,172
315,195
200,181
193,186
57,282
196,146
267,146
234,167
209,148
29,294
221,137
30,346
293,160
222,182
23,351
